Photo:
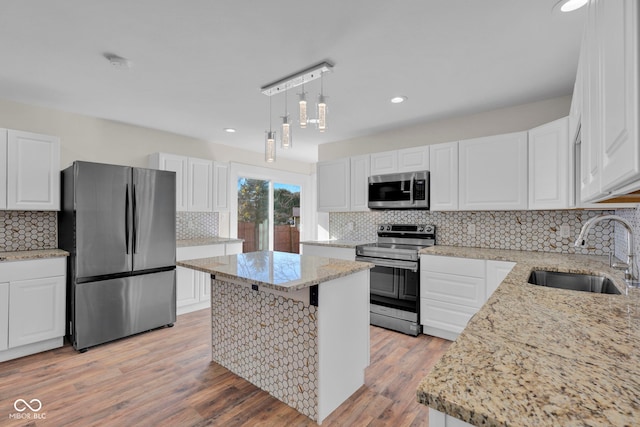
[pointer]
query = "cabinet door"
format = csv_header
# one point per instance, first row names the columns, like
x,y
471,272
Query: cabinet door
x,y
359,183
3,165
4,316
36,310
454,289
177,164
204,281
33,171
549,179
617,30
200,185
493,172
221,187
187,287
443,167
333,185
496,272
444,316
382,163
413,159
233,248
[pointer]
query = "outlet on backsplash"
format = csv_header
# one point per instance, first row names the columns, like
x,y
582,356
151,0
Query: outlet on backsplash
x,y
565,231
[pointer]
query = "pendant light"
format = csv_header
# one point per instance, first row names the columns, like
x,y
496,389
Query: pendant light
x,y
285,135
322,107
270,141
302,110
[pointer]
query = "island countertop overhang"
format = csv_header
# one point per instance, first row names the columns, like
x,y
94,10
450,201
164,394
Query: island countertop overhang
x,y
280,271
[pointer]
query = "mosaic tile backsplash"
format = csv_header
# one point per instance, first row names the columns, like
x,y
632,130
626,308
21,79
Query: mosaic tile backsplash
x,y
196,225
515,230
24,231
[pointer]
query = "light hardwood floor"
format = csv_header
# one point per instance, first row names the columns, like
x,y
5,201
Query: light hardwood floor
x,y
165,378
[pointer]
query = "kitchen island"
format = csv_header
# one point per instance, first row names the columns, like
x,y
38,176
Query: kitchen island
x,y
296,326
538,356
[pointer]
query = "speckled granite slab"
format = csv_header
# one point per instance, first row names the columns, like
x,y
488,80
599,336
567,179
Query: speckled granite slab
x,y
280,271
203,241
349,244
34,254
537,356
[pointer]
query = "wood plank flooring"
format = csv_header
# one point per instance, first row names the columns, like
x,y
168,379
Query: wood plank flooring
x,y
165,378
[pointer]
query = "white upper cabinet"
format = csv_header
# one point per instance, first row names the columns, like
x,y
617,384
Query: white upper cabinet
x,y
200,183
443,167
33,171
334,185
382,163
549,172
413,159
194,180
493,172
359,183
609,148
3,164
177,164
617,31
221,186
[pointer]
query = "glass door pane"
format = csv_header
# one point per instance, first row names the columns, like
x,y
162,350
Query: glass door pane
x,y
253,214
286,218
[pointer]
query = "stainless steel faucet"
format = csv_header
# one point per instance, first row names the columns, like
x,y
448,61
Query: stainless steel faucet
x,y
631,270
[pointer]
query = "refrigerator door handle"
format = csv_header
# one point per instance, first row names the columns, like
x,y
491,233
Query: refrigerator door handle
x,y
126,220
135,221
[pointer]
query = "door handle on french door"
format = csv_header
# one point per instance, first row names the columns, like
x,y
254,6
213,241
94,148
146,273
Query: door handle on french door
x,y
126,219
135,221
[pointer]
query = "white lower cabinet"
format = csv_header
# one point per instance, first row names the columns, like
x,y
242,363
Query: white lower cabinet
x,y
440,419
328,251
453,289
32,306
193,288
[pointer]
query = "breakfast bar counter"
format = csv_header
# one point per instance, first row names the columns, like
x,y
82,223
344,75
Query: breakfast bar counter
x,y
296,326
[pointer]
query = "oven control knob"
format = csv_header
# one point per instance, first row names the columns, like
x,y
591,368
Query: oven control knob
x,y
388,228
421,229
381,228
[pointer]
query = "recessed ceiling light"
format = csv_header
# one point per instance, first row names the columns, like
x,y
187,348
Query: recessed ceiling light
x,y
230,130
570,5
398,99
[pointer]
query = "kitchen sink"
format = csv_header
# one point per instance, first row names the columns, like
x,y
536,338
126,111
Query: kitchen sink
x,y
575,282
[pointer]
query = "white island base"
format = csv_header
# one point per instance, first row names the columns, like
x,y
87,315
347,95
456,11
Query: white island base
x,y
310,357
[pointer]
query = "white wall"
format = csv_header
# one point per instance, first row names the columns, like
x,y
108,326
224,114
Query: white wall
x,y
105,141
494,122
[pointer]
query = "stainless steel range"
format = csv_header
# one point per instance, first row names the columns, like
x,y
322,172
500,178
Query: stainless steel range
x,y
395,279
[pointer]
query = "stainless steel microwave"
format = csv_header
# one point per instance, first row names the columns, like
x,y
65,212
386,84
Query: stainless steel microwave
x,y
406,190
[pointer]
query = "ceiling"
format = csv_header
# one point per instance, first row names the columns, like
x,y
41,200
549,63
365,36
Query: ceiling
x,y
198,64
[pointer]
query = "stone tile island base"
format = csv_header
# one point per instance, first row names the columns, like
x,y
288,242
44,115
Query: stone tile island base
x,y
311,358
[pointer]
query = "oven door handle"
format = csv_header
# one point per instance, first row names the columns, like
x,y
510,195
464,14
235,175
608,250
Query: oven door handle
x,y
403,265
413,178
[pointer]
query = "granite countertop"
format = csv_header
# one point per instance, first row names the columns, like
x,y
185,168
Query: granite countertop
x,y
203,241
537,356
32,254
349,244
280,271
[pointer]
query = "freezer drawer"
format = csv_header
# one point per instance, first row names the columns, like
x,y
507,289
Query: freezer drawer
x,y
116,308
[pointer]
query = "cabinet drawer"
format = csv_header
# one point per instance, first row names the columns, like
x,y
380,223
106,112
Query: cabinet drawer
x,y
32,269
442,315
453,265
195,252
465,290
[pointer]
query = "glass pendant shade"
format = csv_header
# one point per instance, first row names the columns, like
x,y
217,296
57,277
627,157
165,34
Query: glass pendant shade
x,y
270,147
322,114
303,110
285,135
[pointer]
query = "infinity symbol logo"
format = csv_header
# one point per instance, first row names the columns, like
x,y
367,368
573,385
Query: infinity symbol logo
x,y
21,405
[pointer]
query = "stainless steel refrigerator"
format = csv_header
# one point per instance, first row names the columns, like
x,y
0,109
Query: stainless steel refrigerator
x,y
119,225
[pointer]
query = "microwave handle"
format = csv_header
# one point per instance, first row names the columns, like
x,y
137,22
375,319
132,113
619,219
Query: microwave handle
x,y
413,177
